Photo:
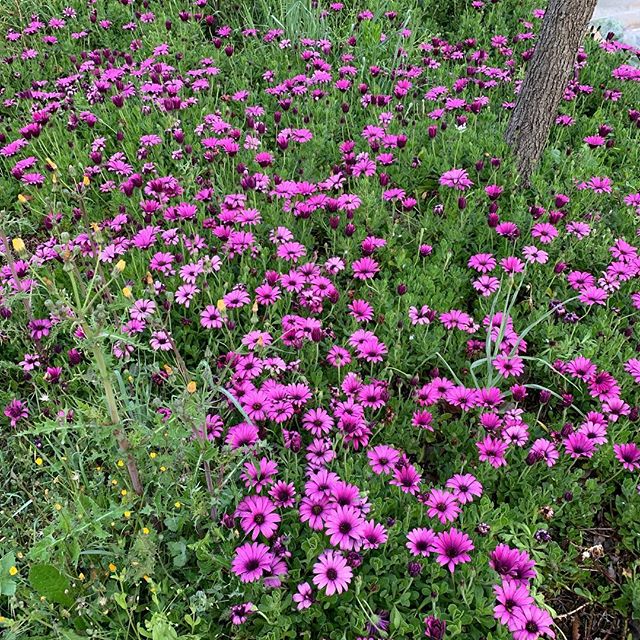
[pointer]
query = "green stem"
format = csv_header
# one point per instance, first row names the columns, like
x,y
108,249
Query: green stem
x,y
110,396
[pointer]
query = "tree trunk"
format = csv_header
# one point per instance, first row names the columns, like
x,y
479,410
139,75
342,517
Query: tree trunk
x,y
548,73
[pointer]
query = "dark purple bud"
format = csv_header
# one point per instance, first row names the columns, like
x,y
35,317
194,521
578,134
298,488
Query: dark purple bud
x,y
227,521
74,356
567,430
541,535
354,559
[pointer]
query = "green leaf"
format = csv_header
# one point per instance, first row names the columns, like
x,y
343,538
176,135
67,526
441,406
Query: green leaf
x,y
51,584
161,628
396,618
121,600
178,551
7,583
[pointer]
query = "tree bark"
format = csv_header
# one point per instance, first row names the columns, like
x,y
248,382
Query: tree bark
x,y
546,78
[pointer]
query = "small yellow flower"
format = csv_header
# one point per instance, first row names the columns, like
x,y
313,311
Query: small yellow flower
x,y
22,199
120,265
2,619
18,245
112,567
221,306
86,181
57,506
120,463
145,530
153,455
168,369
178,504
127,514
163,468
81,576
114,482
126,292
13,571
123,492
130,379
191,387
39,461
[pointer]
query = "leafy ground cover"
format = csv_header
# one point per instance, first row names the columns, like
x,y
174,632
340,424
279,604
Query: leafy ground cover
x,y
288,351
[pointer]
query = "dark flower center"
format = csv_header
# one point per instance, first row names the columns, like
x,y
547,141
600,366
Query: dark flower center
x,y
258,518
332,574
345,528
252,565
317,509
531,627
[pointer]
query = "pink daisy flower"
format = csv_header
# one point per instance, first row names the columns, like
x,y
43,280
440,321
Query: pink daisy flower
x,y
332,573
251,560
456,179
452,548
